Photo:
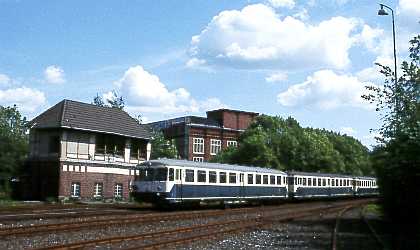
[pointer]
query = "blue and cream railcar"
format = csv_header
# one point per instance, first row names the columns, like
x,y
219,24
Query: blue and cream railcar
x,y
310,185
180,181
365,186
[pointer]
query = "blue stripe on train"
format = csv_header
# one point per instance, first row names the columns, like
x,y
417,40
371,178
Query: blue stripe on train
x,y
199,191
313,191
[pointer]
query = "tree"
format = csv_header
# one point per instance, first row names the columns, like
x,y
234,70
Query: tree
x,y
114,101
283,144
13,144
397,160
98,101
161,147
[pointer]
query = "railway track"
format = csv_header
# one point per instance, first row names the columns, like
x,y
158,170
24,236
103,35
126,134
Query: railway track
x,y
165,238
336,232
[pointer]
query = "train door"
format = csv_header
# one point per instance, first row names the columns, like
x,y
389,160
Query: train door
x,y
241,185
180,177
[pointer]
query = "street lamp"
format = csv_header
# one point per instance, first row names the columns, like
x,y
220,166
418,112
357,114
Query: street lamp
x,y
382,12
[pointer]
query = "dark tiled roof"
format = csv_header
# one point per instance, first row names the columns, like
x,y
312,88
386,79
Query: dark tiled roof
x,y
89,117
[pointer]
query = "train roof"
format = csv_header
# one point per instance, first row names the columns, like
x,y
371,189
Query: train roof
x,y
328,175
185,163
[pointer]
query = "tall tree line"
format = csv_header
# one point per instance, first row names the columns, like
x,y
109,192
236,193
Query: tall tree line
x,y
279,143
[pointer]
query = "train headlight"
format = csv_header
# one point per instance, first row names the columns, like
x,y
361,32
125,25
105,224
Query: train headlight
x,y
158,194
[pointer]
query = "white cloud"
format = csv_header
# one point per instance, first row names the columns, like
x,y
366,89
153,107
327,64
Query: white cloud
x,y
54,74
409,8
326,90
370,74
347,130
282,3
277,77
26,99
256,37
371,37
144,92
4,80
302,14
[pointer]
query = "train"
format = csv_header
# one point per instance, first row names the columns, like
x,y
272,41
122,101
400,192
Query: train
x,y
172,181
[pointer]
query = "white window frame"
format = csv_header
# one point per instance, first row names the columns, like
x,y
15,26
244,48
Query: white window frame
x,y
118,190
98,192
75,189
198,145
198,159
232,144
215,146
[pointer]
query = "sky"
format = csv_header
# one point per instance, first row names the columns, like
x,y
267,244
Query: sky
x,y
306,59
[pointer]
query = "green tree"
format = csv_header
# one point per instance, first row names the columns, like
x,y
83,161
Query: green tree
x,y
13,145
283,144
161,147
115,101
397,160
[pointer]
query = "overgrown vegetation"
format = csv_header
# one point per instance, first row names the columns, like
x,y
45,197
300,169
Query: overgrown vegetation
x,y
13,146
283,144
162,148
397,160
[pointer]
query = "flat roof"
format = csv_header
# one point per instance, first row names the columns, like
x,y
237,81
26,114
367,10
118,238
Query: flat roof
x,y
231,167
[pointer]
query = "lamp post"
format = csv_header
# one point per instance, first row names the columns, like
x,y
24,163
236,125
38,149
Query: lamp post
x,y
382,12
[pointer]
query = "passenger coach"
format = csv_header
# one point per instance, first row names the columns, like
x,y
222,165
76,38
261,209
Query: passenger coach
x,y
174,181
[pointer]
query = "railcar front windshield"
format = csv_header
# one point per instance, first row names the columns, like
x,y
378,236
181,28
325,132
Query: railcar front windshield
x,y
153,174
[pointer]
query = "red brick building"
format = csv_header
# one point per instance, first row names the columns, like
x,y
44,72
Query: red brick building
x,y
200,138
83,151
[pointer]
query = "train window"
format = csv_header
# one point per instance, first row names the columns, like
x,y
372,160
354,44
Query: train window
x,y
284,180
309,181
201,176
304,181
177,174
278,180
324,182
333,182
319,182
232,177
314,182
222,177
341,182
295,181
171,175
189,175
265,179
258,179
272,180
250,179
241,178
212,177
329,180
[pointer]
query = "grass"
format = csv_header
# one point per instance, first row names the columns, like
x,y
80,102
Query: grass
x,y
374,209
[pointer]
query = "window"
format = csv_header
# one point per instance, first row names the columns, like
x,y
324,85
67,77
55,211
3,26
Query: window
x,y
324,182
198,145
201,176
138,150
250,179
314,181
98,189
304,181
265,179
319,182
222,177
333,182
232,178
118,190
258,179
212,177
75,189
329,180
215,146
284,180
232,143
177,174
278,180
272,180
171,174
198,159
189,175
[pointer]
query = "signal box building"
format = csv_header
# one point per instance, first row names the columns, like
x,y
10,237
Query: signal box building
x,y
201,138
83,151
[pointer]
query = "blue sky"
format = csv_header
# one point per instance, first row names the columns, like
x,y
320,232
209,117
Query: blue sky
x,y
305,59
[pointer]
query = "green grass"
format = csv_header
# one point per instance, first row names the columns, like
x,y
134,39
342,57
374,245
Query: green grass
x,y
374,209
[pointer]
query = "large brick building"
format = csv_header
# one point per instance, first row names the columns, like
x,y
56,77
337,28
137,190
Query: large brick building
x,y
83,151
200,138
